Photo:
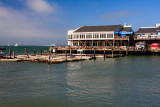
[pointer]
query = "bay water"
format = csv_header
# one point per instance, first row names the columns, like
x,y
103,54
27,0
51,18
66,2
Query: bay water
x,y
20,50
132,81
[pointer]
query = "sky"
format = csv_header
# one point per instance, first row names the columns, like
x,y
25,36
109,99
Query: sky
x,y
45,22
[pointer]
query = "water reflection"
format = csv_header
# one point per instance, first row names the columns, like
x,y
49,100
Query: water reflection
x,y
86,83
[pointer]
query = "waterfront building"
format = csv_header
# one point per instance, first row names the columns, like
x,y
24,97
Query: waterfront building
x,y
148,35
100,36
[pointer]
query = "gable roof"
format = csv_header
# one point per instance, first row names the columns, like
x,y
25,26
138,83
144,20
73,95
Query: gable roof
x,y
98,28
148,30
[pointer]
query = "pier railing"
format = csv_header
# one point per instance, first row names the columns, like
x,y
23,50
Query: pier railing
x,y
116,48
146,37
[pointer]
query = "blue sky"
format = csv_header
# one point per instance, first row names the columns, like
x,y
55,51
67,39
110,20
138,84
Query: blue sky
x,y
44,22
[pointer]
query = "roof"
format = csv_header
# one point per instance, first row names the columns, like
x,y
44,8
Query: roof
x,y
98,28
125,29
148,30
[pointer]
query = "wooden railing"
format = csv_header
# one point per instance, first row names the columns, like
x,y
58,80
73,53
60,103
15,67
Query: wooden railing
x,y
146,37
121,37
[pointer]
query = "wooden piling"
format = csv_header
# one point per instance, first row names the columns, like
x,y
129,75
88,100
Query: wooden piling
x,y
104,54
112,53
81,55
126,51
65,55
34,51
25,51
10,53
49,59
41,52
13,54
70,51
94,54
46,52
119,50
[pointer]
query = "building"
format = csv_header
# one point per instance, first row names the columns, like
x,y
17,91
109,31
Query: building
x,y
100,36
148,35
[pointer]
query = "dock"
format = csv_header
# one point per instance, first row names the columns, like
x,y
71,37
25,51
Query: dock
x,y
59,58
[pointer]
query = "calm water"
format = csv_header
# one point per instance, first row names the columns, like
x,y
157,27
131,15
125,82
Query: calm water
x,y
19,50
132,81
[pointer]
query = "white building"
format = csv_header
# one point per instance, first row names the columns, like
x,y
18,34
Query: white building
x,y
100,35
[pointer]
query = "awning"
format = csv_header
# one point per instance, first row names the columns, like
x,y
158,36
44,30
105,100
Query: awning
x,y
123,33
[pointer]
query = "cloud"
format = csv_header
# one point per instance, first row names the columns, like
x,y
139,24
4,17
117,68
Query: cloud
x,y
116,16
24,25
40,6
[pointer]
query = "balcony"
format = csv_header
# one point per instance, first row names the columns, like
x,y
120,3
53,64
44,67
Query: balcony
x,y
121,37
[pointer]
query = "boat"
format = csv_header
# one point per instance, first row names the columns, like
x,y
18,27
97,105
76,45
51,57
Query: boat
x,y
8,45
16,44
2,52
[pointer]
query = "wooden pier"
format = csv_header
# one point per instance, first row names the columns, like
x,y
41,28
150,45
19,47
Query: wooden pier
x,y
106,51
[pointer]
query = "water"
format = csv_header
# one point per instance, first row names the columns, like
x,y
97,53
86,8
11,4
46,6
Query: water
x,y
20,50
131,81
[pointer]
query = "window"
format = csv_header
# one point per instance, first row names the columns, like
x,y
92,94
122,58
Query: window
x,y
102,35
82,35
138,35
110,35
143,34
88,35
95,35
151,34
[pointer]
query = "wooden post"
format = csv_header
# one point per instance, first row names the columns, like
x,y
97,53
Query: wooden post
x,y
86,52
34,51
104,54
55,52
70,51
49,59
46,52
65,56
112,53
41,52
25,51
81,55
13,55
10,53
113,44
119,50
94,53
127,51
